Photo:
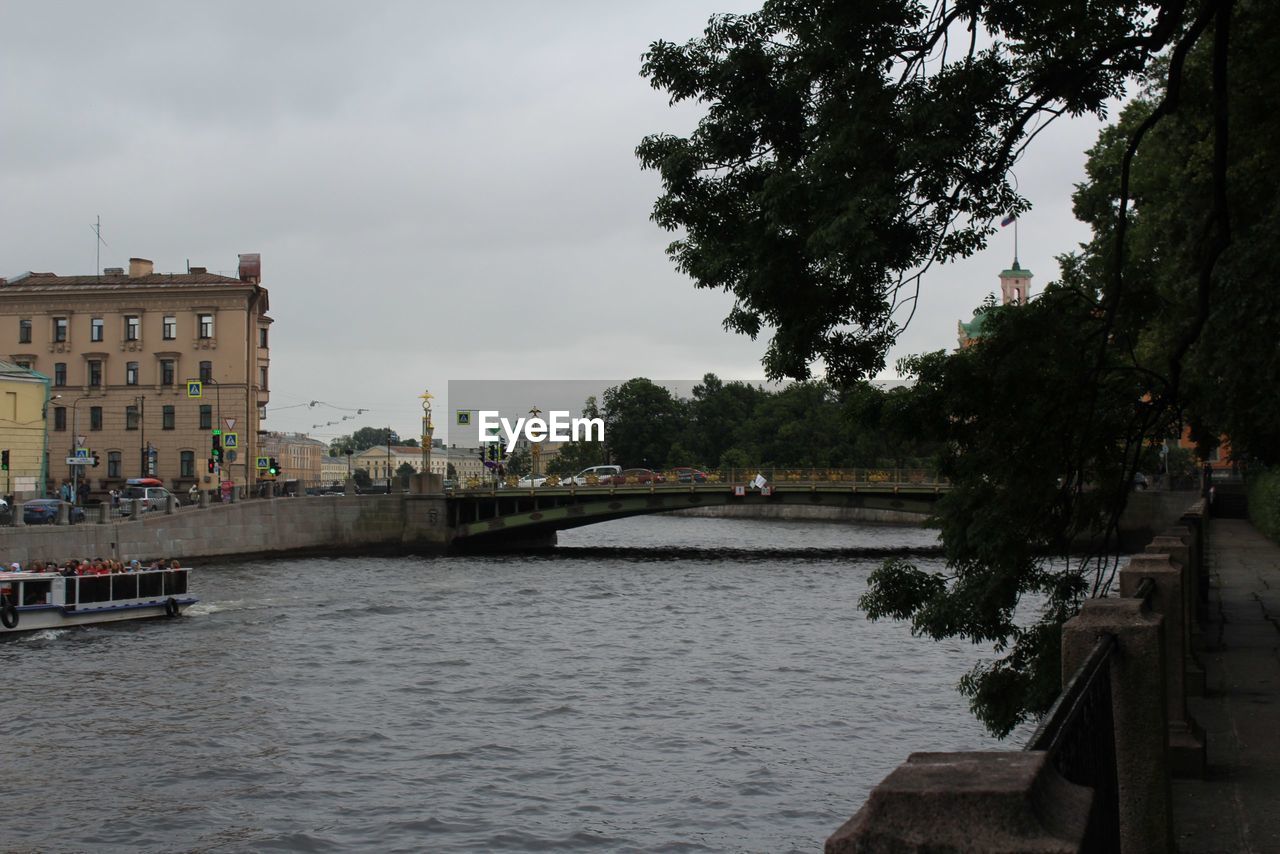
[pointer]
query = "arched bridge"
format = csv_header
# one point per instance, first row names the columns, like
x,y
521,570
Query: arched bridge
x,y
495,511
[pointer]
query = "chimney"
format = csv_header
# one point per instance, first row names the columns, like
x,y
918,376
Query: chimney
x,y
139,267
250,267
198,270
113,271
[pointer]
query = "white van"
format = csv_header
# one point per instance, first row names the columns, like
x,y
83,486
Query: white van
x,y
151,497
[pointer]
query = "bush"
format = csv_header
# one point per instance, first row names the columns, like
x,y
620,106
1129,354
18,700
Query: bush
x,y
1264,502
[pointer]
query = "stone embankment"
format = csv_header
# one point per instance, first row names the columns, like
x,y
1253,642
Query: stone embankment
x,y
318,525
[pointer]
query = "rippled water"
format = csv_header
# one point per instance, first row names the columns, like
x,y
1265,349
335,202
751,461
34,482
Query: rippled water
x,y
659,684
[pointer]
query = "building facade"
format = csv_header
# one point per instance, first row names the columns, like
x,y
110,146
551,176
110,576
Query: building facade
x,y
299,455
122,349
24,398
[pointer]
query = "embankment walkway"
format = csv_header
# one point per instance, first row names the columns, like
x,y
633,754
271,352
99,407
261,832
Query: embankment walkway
x,y
1237,807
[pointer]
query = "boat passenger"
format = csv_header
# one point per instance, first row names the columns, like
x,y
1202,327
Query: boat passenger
x,y
135,565
173,564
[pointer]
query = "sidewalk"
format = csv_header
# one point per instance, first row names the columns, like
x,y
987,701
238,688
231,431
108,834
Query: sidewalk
x,y
1237,807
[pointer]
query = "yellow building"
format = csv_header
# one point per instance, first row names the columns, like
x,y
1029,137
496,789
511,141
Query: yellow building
x,y
299,456
121,348
24,398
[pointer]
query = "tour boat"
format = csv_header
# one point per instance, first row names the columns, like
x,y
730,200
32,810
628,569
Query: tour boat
x,y
46,600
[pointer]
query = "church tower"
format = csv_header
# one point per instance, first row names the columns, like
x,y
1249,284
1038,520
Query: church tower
x,y
1015,285
1015,289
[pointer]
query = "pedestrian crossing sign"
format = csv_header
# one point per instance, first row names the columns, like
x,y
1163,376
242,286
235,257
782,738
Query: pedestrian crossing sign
x,y
263,463
230,440
464,417
195,388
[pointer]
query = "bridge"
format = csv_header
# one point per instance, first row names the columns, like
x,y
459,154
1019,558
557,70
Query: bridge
x,y
485,512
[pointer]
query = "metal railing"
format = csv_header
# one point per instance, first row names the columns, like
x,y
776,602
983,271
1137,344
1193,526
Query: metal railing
x,y
1078,733
771,476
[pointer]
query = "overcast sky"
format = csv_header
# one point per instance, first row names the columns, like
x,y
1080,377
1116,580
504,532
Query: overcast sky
x,y
440,191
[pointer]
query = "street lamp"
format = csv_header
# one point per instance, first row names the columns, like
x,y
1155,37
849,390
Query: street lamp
x,y
427,429
388,460
535,449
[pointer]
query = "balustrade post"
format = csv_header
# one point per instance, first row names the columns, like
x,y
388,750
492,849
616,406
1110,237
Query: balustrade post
x,y
104,513
1176,547
170,504
999,801
204,498
135,508
1186,740
1193,521
1138,704
18,518
64,514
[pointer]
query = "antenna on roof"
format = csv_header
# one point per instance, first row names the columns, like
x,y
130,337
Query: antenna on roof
x,y
96,228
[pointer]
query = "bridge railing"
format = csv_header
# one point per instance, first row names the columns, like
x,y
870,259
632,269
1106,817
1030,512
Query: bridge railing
x,y
766,477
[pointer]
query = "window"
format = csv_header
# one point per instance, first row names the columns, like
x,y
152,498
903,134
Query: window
x,y
131,418
262,377
60,373
206,417
131,373
95,417
132,327
59,329
60,418
206,326
113,464
95,372
206,372
24,331
166,420
170,327
167,372
262,336
95,329
187,464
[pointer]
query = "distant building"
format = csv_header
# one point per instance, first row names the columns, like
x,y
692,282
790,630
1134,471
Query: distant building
x,y
382,462
24,399
300,456
120,348
333,470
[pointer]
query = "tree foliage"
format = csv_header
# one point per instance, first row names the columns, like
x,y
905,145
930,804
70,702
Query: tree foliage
x,y
365,438
846,147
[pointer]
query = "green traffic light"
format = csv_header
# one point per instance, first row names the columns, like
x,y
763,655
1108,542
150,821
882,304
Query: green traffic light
x,y
216,432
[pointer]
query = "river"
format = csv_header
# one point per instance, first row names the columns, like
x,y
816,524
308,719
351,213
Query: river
x,y
656,684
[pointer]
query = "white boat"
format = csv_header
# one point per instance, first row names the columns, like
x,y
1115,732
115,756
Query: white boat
x,y
46,600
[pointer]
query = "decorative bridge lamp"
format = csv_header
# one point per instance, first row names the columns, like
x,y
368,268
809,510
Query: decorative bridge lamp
x,y
428,429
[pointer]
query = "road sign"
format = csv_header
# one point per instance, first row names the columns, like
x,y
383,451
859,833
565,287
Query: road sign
x,y
79,461
82,453
195,388
464,418
231,455
80,440
264,462
230,440
231,423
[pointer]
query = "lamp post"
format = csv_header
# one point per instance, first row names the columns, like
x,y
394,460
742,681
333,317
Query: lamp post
x,y
535,449
144,456
388,460
427,429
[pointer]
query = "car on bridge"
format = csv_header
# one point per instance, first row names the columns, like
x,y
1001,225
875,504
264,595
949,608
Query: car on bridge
x,y
530,481
689,474
602,473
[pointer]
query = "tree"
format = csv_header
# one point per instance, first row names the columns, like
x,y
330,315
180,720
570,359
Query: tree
x,y
361,478
450,472
847,147
365,438
641,419
404,471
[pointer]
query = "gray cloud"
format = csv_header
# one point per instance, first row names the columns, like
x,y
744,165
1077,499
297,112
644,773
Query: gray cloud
x,y
438,190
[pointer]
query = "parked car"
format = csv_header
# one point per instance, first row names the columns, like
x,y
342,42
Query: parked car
x,y
689,474
529,481
44,511
601,472
634,477
1140,481
153,498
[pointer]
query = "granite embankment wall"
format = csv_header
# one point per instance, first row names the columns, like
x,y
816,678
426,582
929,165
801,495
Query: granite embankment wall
x,y
1147,513
319,525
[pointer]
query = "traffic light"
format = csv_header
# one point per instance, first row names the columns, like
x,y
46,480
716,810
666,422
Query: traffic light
x,y
4,460
273,467
211,465
96,459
